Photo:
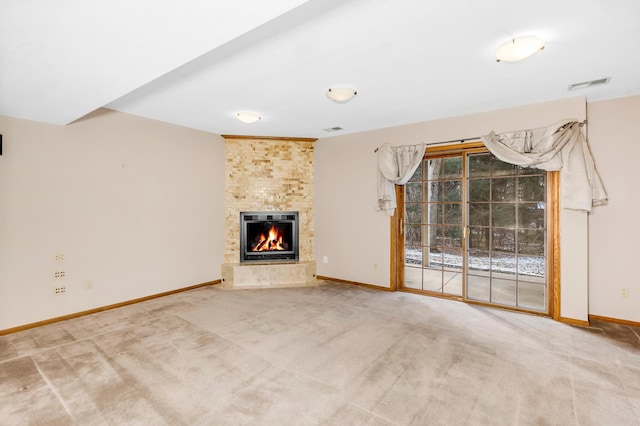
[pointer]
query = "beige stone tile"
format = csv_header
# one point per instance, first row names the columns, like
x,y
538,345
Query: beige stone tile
x,y
268,175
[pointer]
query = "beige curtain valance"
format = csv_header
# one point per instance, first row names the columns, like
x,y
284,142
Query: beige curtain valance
x,y
396,165
561,146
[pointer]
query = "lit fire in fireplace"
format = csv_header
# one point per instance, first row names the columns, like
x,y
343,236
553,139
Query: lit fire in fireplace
x,y
271,242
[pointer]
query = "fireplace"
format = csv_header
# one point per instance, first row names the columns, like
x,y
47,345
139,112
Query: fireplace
x,y
268,236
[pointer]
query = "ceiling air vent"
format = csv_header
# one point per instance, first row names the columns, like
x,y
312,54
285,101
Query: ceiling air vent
x,y
585,84
332,129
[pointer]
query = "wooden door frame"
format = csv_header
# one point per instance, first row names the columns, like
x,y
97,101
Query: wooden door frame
x,y
396,223
553,243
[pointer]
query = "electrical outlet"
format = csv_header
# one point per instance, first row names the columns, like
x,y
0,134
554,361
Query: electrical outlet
x,y
59,290
88,285
59,275
58,257
325,259
375,266
624,293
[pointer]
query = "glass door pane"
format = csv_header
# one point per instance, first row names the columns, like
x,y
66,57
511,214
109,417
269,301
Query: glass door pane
x,y
434,227
506,250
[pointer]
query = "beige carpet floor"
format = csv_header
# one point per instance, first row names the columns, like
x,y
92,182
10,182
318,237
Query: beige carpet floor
x,y
331,354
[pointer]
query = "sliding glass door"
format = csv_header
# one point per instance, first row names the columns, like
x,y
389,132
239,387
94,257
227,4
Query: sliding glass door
x,y
475,228
434,227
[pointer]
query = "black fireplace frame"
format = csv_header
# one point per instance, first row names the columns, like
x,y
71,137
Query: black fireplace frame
x,y
247,218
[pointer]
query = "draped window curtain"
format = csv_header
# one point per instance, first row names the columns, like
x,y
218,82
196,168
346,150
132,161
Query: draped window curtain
x,y
561,146
396,165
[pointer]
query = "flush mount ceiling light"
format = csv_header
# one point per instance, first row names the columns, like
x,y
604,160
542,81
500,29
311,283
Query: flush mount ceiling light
x,y
519,48
247,117
341,94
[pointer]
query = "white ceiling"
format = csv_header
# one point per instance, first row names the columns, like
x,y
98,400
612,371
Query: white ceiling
x,y
196,63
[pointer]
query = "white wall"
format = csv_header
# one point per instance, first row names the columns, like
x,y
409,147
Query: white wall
x,y
135,205
348,232
355,238
614,234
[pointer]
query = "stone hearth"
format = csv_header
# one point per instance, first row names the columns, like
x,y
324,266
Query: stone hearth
x,y
260,275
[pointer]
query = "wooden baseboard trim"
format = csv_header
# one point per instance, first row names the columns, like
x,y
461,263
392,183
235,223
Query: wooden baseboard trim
x,y
614,320
102,309
338,280
573,321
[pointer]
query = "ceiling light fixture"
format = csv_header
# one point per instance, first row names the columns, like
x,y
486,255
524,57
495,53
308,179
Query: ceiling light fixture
x,y
341,94
248,117
519,48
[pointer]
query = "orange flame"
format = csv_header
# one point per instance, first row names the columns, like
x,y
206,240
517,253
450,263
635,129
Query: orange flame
x,y
271,242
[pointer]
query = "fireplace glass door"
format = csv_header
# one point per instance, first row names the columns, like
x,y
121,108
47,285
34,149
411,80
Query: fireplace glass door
x,y
268,236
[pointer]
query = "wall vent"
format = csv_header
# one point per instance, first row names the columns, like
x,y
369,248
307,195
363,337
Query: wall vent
x,y
586,84
332,129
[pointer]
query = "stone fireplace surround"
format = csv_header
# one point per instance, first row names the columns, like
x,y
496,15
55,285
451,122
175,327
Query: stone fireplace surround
x,y
268,174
